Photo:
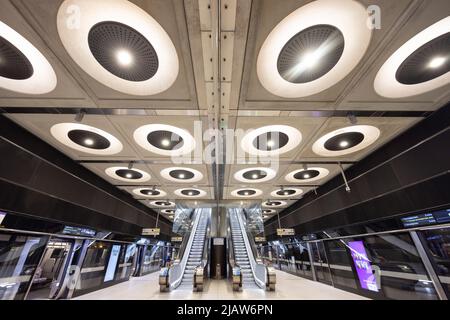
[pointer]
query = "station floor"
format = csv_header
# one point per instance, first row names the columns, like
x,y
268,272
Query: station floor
x,y
288,287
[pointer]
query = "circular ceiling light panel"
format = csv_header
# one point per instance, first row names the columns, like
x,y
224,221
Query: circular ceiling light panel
x,y
86,138
286,193
269,211
149,192
23,68
255,175
307,175
164,139
313,48
181,174
346,140
271,140
420,65
120,45
274,204
190,193
246,192
162,203
127,175
168,211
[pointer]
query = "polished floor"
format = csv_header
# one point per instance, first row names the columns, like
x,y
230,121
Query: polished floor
x,y
288,287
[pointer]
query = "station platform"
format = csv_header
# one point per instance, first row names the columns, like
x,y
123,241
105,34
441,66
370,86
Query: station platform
x,y
289,287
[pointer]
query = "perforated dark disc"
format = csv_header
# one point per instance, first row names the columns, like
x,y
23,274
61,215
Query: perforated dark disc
x,y
285,192
246,192
254,174
162,203
326,41
13,63
89,139
273,203
270,141
181,174
306,174
150,192
190,192
166,140
107,39
344,141
416,68
129,174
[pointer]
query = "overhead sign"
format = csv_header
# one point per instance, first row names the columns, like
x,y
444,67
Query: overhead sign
x,y
79,231
176,239
285,232
150,231
260,239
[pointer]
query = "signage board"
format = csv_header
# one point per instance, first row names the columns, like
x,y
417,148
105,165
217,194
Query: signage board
x,y
79,231
285,232
424,219
151,231
176,239
260,239
364,270
218,241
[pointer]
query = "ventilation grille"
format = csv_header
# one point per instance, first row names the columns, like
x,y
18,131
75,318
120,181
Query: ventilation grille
x,y
106,39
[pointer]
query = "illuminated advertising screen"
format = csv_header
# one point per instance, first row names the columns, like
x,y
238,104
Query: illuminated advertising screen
x,y
112,263
362,265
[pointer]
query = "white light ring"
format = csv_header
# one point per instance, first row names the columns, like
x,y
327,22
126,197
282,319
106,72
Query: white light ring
x,y
43,79
322,174
283,203
295,137
234,193
197,175
74,36
269,171
60,132
350,17
297,192
201,194
141,133
371,134
386,83
138,193
172,204
111,172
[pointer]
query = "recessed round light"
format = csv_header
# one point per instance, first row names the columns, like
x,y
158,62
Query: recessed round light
x,y
246,193
168,211
190,193
346,140
269,211
271,140
164,139
85,138
277,203
286,193
313,48
23,68
127,175
120,45
149,192
255,175
181,174
420,65
161,203
307,175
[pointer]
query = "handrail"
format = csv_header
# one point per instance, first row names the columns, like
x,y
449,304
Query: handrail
x,y
177,270
258,269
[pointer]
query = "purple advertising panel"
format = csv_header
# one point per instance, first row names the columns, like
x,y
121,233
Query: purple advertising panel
x,y
363,267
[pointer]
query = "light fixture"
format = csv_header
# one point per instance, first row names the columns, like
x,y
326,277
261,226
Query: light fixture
x,y
255,175
190,193
120,45
313,48
286,192
274,204
162,203
271,140
246,193
163,139
181,174
419,65
149,193
346,140
307,176
24,68
127,175
85,138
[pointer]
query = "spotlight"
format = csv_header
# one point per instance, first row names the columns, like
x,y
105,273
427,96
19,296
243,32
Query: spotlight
x,y
190,193
181,176
254,176
270,143
310,59
124,57
306,176
129,175
246,193
88,142
286,193
165,142
343,144
436,62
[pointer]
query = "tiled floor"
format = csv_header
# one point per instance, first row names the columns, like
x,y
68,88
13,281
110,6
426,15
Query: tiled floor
x,y
288,287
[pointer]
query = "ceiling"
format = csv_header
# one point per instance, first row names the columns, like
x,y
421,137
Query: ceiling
x,y
212,81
